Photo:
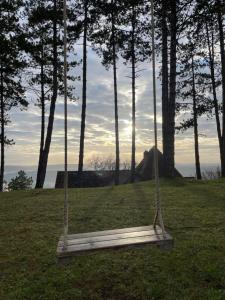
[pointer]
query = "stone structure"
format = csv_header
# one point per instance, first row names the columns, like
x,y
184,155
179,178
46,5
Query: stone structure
x,y
144,171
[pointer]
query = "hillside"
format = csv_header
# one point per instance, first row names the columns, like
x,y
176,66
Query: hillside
x,y
194,213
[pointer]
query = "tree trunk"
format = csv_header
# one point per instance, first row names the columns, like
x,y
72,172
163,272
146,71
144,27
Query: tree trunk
x,y
42,172
2,136
84,91
42,116
222,55
165,75
169,147
117,167
215,101
195,114
133,62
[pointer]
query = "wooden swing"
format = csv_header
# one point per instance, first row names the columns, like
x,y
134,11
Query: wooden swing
x,y
73,244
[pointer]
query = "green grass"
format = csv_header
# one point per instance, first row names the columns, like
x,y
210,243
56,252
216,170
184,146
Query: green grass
x,y
194,213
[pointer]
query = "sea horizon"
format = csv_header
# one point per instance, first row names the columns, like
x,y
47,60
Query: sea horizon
x,y
187,170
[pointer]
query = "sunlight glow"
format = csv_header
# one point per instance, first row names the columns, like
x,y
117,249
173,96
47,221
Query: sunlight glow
x,y
127,131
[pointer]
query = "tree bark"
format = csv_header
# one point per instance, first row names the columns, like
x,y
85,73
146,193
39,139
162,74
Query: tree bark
x,y
195,115
165,74
2,136
42,172
133,62
42,140
117,167
84,91
170,147
213,82
222,55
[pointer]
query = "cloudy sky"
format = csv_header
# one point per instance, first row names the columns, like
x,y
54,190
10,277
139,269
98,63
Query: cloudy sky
x,y
25,126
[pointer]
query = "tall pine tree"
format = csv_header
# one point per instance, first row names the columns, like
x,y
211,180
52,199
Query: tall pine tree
x,y
106,40
135,50
44,46
11,65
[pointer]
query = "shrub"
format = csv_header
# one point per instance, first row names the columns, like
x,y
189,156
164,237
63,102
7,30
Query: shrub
x,y
211,174
5,186
107,164
20,182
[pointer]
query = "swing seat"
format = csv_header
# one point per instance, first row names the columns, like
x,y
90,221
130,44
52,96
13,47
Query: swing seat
x,y
118,238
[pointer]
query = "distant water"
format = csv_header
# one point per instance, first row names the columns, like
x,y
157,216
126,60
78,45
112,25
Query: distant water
x,y
11,171
31,171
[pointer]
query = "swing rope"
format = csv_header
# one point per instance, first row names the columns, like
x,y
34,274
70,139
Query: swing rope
x,y
65,217
158,214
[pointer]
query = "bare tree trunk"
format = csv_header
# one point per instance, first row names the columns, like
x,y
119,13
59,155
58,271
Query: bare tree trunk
x,y
165,76
195,114
133,150
84,91
42,140
170,147
117,167
42,172
215,101
2,136
222,55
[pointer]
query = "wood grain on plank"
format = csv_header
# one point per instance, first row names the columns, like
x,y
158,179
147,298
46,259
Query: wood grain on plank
x,y
73,249
108,232
115,239
115,236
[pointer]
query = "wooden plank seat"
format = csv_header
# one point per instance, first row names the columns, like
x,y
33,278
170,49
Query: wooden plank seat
x,y
86,242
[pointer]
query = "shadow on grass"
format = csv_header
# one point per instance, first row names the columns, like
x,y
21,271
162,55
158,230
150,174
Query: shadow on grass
x,y
84,213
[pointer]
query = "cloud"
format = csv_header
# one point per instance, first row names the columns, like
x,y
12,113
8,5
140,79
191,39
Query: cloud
x,y
100,137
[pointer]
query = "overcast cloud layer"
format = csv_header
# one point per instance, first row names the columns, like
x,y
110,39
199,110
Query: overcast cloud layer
x,y
25,126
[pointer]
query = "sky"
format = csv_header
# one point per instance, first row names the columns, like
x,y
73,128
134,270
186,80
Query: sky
x,y
99,141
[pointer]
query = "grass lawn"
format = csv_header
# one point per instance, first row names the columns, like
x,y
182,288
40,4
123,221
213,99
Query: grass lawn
x,y
194,213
